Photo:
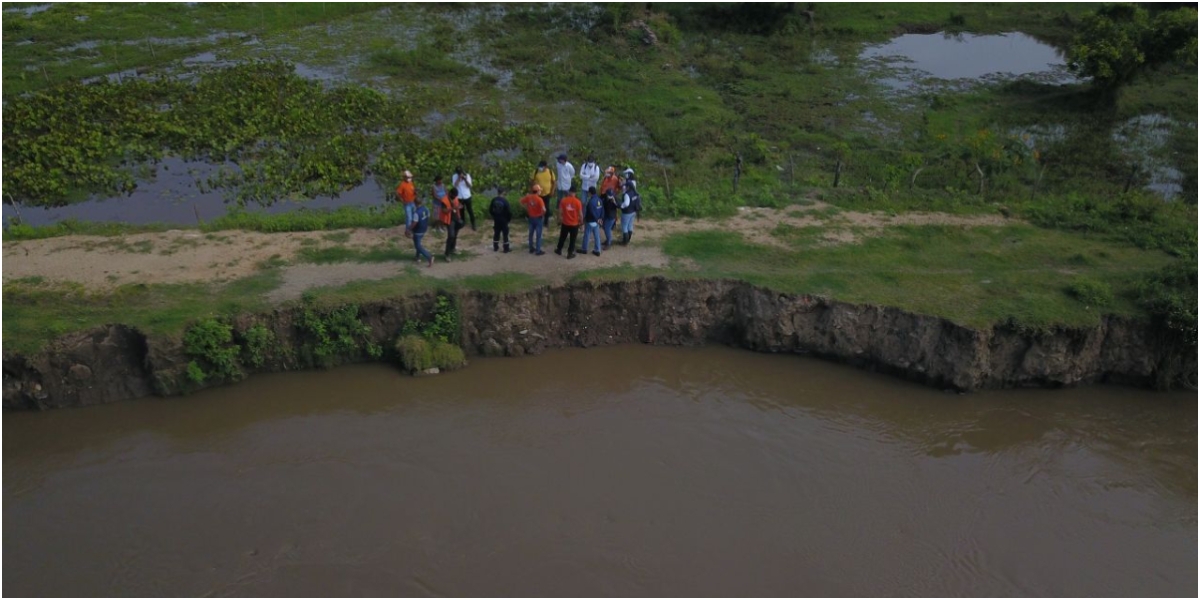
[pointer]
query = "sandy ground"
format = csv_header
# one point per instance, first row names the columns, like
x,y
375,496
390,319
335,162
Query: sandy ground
x,y
180,256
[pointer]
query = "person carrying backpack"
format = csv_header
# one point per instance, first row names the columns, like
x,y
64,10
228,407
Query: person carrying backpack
x,y
611,207
631,208
593,213
501,216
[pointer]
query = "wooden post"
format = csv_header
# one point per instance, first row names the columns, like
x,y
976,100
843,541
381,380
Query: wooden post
x,y
980,171
666,182
837,172
196,209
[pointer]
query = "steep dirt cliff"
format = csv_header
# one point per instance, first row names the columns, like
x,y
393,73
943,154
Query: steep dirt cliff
x,y
116,362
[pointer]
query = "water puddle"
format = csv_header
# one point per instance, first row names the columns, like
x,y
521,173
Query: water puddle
x,y
911,60
1143,140
175,195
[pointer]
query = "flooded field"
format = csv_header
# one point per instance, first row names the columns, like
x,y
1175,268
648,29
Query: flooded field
x,y
616,471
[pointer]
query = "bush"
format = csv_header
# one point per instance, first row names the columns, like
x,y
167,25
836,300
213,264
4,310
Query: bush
x,y
210,344
418,354
1090,292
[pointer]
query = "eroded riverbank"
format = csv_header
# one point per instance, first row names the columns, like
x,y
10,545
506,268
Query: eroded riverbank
x,y
117,363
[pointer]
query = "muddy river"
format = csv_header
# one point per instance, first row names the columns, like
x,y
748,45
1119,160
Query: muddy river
x,y
621,471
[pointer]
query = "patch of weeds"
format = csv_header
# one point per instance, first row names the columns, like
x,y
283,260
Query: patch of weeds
x,y
340,254
209,343
339,237
273,262
418,354
1090,292
257,342
333,335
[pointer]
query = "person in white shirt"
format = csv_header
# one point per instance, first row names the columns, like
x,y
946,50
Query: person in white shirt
x,y
589,174
462,182
566,176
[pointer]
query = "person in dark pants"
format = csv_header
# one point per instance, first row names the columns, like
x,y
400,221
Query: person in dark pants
x,y
420,226
610,217
570,215
462,182
593,214
454,209
501,216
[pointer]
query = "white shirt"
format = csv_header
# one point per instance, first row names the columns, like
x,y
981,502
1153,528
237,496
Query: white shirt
x,y
463,185
566,174
590,174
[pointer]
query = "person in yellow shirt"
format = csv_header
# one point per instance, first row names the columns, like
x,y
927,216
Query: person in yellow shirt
x,y
544,178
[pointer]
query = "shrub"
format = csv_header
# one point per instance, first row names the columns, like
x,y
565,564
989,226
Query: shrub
x,y
418,354
1090,292
257,343
210,344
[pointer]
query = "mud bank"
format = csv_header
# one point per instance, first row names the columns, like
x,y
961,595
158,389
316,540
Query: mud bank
x,y
117,362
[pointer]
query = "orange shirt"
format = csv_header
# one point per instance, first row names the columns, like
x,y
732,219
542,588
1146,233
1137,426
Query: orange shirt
x,y
449,209
407,192
534,206
571,211
611,182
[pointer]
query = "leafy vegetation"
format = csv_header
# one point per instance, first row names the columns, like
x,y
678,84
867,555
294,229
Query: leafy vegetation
x,y
214,354
333,335
418,354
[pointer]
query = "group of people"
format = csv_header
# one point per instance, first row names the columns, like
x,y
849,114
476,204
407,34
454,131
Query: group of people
x,y
606,195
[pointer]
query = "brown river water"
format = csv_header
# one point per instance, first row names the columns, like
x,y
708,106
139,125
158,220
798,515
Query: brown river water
x,y
629,470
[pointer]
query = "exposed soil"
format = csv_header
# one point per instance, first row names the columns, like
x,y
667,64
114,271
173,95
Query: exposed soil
x,y
179,256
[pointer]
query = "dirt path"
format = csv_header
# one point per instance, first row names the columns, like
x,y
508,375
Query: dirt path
x,y
180,256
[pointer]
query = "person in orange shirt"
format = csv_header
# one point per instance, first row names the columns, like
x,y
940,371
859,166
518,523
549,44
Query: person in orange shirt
x,y
611,182
570,215
452,219
407,193
535,209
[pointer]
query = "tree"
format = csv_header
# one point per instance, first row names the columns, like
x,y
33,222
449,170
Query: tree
x,y
1119,41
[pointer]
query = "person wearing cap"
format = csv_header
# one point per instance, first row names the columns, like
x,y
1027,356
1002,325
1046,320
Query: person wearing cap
x,y
611,208
589,174
407,193
462,182
543,177
535,209
628,177
501,216
593,214
565,175
611,182
420,227
631,207
570,216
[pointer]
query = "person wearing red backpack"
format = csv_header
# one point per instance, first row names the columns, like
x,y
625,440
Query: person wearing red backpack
x,y
570,215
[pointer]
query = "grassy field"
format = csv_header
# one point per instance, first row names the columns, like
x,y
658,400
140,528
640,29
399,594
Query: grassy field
x,y
381,88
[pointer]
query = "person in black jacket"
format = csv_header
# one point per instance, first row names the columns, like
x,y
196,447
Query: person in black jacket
x,y
501,215
610,217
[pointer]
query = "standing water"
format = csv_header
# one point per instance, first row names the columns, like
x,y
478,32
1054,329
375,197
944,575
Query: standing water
x,y
616,471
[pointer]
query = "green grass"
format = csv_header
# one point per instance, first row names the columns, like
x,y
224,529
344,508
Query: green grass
x,y
37,311
976,276
341,254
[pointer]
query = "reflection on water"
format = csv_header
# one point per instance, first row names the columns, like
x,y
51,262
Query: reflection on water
x,y
967,56
616,471
173,196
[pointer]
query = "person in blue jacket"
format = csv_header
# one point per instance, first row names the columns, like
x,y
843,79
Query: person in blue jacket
x,y
593,214
419,228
